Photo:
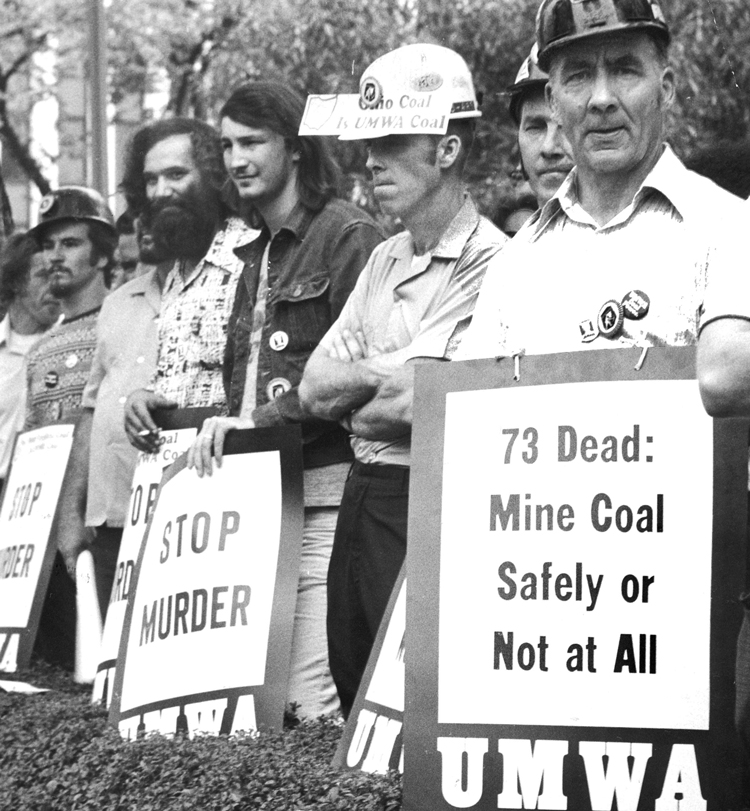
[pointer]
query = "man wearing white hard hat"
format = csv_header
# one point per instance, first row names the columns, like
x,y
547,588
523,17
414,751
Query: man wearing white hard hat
x,y
620,255
416,109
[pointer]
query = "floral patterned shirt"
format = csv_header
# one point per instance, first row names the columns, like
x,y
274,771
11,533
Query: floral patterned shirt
x,y
193,322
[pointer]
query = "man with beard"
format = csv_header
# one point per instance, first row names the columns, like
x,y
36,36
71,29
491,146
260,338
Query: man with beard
x,y
172,182
97,484
76,232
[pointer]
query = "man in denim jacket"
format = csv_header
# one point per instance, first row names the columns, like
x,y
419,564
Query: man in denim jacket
x,y
297,276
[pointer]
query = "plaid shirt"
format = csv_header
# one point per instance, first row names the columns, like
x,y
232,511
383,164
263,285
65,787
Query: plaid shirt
x,y
193,322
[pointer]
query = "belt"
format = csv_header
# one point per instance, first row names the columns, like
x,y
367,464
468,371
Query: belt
x,y
397,473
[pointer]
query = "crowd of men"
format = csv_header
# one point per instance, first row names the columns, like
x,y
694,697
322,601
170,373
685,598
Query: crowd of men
x,y
261,294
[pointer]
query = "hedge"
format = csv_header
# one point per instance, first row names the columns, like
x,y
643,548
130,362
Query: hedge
x,y
57,753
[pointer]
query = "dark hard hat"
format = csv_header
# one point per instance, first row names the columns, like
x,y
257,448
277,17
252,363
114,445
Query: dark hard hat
x,y
560,22
529,77
73,203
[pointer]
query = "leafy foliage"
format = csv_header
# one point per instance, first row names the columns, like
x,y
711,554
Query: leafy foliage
x,y
56,753
200,49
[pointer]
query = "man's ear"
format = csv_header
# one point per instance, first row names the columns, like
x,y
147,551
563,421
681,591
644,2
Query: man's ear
x,y
102,261
448,149
668,86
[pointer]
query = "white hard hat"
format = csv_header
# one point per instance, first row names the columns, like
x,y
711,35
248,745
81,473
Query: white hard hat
x,y
413,89
416,72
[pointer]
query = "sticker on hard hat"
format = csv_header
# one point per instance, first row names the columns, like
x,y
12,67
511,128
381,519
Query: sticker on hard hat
x,y
370,93
343,115
426,83
46,203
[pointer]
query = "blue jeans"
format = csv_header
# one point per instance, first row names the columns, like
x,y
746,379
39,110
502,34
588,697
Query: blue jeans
x,y
311,685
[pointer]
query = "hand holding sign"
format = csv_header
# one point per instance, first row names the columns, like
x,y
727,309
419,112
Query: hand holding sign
x,y
210,442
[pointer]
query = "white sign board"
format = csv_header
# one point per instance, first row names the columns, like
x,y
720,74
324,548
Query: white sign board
x,y
372,740
146,479
576,550
28,510
210,615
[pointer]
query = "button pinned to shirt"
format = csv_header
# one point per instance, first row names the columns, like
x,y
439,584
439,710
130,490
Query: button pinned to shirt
x,y
277,387
278,340
140,359
51,379
71,361
610,318
636,305
589,331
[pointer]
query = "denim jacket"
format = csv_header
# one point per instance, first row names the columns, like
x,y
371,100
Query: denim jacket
x,y
314,261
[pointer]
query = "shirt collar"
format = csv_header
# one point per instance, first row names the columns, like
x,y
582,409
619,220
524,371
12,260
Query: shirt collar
x,y
672,179
297,223
146,285
221,251
453,239
668,177
5,330
234,233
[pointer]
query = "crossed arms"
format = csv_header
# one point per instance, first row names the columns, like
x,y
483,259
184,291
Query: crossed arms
x,y
369,389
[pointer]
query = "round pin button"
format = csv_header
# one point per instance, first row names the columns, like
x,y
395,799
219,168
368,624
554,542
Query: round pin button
x,y
46,203
610,318
278,340
71,361
51,379
635,305
277,387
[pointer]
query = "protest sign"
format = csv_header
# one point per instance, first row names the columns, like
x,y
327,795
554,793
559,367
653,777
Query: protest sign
x,y
372,739
28,509
178,429
576,548
207,638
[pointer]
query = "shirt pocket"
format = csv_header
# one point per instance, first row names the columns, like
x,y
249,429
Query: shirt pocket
x,y
302,312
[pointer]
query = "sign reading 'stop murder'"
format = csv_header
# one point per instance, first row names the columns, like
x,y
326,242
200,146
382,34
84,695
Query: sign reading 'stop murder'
x,y
577,651
146,479
26,517
207,638
373,740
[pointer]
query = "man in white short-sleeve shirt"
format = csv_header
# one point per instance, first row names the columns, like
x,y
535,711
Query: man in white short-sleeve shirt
x,y
620,255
